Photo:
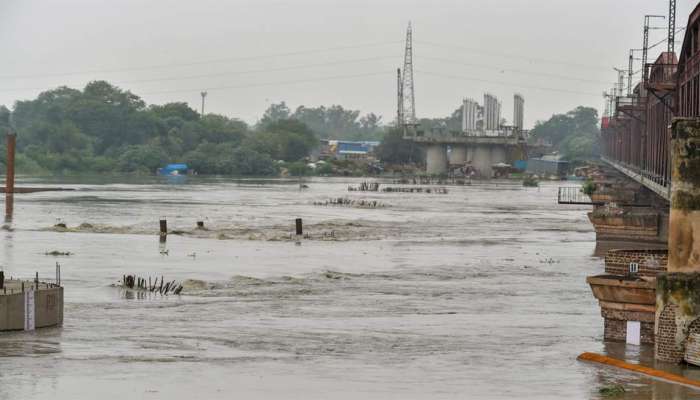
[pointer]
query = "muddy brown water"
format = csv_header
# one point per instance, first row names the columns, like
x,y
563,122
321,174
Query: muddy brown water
x,y
479,293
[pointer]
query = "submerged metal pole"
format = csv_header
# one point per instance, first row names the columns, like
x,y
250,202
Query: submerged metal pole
x,y
10,175
300,229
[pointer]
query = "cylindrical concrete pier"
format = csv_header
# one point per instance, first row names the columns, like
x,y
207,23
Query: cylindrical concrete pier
x,y
26,305
458,155
481,160
436,159
677,325
498,155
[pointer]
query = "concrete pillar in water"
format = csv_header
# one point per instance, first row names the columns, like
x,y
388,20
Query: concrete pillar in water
x,y
458,155
498,154
481,160
677,322
436,159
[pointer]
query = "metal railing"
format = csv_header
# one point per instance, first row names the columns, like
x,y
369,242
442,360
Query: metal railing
x,y
574,195
661,73
629,101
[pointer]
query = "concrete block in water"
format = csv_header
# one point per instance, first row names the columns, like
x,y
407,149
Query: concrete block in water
x,y
47,311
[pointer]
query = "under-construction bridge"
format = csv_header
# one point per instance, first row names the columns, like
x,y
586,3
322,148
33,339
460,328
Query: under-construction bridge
x,y
483,142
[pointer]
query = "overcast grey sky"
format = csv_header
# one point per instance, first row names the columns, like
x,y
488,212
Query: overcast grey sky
x,y
249,53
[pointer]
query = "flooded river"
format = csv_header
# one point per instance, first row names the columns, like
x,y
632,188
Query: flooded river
x,y
479,293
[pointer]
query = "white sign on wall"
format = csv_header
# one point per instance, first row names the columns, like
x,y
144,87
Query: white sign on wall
x,y
634,332
29,317
634,268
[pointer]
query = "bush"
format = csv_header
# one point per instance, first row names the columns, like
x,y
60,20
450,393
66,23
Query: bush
x,y
588,187
298,168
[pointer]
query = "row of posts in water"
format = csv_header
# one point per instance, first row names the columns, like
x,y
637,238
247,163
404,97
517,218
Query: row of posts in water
x,y
374,187
344,201
163,224
135,282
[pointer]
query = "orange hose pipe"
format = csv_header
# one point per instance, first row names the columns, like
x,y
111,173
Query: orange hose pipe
x,y
655,373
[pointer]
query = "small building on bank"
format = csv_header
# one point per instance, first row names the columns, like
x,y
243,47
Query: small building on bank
x,y
347,149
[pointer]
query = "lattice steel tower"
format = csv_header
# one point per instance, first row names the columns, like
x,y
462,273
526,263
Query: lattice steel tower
x,y
407,90
671,25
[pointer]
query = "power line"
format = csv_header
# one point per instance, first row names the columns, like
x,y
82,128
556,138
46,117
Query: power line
x,y
664,40
508,84
278,83
514,56
253,71
518,71
202,62
243,72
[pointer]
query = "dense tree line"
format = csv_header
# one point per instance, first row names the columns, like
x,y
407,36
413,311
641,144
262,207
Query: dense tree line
x,y
334,122
574,134
105,129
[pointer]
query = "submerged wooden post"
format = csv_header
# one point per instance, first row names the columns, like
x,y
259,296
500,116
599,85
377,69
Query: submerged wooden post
x,y
163,229
10,176
300,229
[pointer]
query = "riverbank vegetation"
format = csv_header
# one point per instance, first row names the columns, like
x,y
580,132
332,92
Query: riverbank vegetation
x,y
574,134
104,129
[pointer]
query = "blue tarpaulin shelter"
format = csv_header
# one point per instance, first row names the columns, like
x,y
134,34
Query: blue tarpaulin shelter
x,y
174,169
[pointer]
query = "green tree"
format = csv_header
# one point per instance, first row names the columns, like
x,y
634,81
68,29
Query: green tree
x,y
394,149
175,110
285,139
575,134
274,113
142,159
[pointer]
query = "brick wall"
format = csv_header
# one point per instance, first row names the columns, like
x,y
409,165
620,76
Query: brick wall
x,y
615,224
623,315
651,262
647,334
692,348
665,347
616,329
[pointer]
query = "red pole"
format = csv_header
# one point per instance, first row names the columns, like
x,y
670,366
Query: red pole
x,y
10,175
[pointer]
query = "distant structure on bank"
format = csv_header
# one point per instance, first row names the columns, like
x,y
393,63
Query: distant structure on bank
x,y
346,150
483,143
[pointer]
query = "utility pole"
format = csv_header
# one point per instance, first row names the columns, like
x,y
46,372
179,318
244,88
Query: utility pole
x,y
671,25
399,93
204,95
645,44
611,99
630,71
620,81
